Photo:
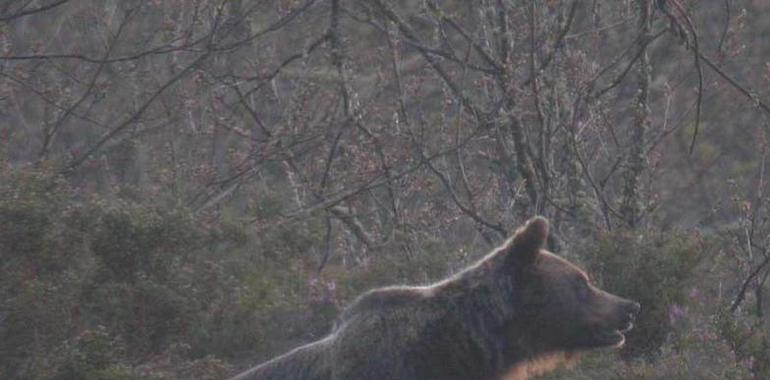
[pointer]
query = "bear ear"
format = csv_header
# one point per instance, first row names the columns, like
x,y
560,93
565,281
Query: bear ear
x,y
528,240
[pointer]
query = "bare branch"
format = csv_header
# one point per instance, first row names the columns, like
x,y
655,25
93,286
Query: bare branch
x,y
30,11
77,161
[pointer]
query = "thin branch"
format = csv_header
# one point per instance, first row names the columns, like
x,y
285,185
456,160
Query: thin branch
x,y
497,227
726,27
412,36
50,134
630,64
377,181
559,37
77,161
27,12
748,93
746,282
265,79
693,34
478,48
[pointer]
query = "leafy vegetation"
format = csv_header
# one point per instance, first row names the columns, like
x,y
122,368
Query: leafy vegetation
x,y
122,289
190,187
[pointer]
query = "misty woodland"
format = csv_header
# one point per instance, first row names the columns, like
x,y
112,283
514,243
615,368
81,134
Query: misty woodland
x,y
384,189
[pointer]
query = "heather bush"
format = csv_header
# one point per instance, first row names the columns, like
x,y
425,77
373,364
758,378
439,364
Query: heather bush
x,y
81,273
130,287
656,269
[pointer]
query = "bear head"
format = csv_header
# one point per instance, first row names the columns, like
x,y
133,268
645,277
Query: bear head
x,y
562,310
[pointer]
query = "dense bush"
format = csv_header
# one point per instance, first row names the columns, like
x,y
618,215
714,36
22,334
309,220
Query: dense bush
x,y
676,336
81,274
656,269
748,338
128,287
93,286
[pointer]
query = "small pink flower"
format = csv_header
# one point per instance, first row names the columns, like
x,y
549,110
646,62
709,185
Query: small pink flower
x,y
748,363
677,313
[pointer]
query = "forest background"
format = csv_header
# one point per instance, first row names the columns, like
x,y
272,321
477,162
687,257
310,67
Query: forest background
x,y
188,188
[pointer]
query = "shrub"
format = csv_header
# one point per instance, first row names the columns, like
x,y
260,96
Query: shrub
x,y
72,263
694,352
654,269
748,338
43,264
90,356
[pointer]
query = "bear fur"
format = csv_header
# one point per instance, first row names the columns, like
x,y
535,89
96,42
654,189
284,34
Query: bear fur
x,y
518,312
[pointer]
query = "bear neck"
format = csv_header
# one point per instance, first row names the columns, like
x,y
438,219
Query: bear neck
x,y
488,295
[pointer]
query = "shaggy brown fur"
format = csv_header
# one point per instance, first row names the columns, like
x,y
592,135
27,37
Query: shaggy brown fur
x,y
520,311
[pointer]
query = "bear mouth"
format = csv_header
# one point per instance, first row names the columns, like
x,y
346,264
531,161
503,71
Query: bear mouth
x,y
614,338
626,328
611,338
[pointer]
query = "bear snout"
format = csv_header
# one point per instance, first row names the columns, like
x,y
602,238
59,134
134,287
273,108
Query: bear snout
x,y
633,308
630,310
628,307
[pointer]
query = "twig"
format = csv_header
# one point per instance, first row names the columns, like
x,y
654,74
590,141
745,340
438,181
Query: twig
x,y
77,161
630,65
751,95
744,287
28,12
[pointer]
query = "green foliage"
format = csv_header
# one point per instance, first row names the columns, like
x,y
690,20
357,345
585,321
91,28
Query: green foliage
x,y
141,252
43,263
39,228
207,368
149,314
708,360
655,270
749,339
83,273
90,356
261,299
421,263
134,240
694,350
93,287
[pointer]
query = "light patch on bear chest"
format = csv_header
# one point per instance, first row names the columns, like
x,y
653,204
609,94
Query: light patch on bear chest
x,y
540,365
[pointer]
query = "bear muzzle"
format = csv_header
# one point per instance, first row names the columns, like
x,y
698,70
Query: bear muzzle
x,y
630,310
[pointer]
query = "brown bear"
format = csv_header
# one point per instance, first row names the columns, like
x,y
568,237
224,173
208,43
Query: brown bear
x,y
518,312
